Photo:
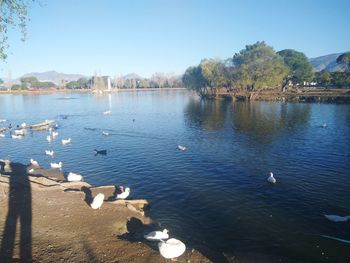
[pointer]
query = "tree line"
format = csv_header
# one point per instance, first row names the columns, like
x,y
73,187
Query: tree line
x,y
258,67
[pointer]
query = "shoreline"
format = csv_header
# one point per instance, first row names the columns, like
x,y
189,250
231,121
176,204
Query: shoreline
x,y
36,92
58,224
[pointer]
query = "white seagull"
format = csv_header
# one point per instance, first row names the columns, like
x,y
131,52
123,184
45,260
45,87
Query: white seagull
x,y
336,218
182,148
48,138
66,141
48,152
73,177
56,165
172,248
107,112
105,133
34,163
157,235
54,134
98,201
124,194
271,179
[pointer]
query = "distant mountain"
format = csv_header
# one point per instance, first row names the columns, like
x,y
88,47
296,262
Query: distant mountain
x,y
54,76
327,62
132,76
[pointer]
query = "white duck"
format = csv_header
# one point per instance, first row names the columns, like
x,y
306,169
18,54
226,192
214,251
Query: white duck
x,y
66,141
172,248
98,201
54,134
124,194
48,152
16,136
56,165
271,179
73,177
105,133
33,162
157,235
336,218
20,132
48,138
181,147
107,112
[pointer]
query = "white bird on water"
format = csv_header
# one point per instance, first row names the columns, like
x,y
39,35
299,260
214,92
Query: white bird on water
x,y
271,179
56,165
2,135
336,218
54,134
33,162
48,152
172,248
48,138
105,133
157,235
16,136
66,141
73,177
107,112
20,132
124,194
182,148
98,201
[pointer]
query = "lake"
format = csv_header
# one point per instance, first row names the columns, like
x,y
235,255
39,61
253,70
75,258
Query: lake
x,y
215,194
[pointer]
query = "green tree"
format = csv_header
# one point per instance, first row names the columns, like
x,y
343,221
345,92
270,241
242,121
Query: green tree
x,y
258,67
300,69
194,80
215,74
323,78
344,59
29,81
13,13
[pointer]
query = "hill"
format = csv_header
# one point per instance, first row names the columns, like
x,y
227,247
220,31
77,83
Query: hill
x,y
327,62
54,76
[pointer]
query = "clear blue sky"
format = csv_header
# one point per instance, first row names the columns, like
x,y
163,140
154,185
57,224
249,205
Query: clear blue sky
x,y
118,37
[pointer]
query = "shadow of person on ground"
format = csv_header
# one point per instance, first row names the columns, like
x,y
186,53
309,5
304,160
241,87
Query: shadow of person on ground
x,y
19,209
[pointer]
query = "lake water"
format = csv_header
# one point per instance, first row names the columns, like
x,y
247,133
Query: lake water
x,y
215,194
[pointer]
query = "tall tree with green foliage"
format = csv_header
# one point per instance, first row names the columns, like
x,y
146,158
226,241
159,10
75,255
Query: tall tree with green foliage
x,y
300,69
258,67
194,80
344,59
13,13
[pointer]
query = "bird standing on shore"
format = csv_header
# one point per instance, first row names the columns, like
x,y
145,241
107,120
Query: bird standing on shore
x,y
98,201
34,163
271,179
73,177
172,248
56,165
157,235
124,194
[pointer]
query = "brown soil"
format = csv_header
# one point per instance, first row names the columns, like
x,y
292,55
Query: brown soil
x,y
65,228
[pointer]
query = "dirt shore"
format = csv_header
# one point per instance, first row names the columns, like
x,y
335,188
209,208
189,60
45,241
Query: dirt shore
x,y
56,224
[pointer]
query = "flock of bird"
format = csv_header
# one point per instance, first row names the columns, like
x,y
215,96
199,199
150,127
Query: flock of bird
x,y
168,248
